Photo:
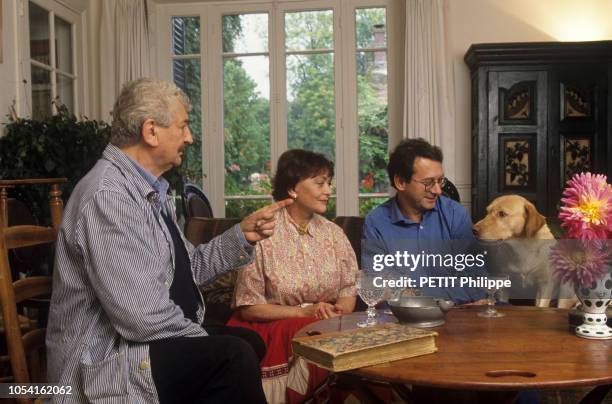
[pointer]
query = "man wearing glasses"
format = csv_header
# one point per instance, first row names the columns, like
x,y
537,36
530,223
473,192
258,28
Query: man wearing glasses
x,y
419,219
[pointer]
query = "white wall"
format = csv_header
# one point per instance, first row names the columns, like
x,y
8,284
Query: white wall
x,y
482,21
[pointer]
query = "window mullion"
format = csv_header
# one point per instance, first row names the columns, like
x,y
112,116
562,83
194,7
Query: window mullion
x,y
228,55
340,152
36,63
52,61
278,85
349,112
75,76
348,140
213,77
309,52
188,56
394,61
382,49
66,74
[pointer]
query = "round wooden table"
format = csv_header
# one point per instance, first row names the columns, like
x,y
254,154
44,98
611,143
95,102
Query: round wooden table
x,y
530,348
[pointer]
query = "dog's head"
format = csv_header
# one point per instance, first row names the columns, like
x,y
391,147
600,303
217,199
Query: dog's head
x,y
509,216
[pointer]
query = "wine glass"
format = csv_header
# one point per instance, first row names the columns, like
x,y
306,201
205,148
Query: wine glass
x,y
370,294
494,284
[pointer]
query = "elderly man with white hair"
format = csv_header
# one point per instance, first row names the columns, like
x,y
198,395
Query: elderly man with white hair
x,y
126,314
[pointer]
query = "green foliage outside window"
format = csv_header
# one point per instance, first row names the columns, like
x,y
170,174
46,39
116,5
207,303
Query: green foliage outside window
x,y
246,134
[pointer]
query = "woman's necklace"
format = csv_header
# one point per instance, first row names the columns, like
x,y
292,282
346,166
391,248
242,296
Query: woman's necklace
x,y
301,228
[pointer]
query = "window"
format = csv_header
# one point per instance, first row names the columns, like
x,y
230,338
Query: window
x,y
281,75
309,63
246,112
52,30
186,72
372,106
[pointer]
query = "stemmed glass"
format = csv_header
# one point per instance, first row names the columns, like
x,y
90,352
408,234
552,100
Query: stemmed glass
x,y
370,294
491,290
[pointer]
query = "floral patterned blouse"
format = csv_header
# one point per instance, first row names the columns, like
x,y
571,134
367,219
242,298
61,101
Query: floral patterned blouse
x,y
292,268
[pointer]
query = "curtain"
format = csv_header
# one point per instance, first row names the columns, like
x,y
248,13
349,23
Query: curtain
x,y
124,48
429,109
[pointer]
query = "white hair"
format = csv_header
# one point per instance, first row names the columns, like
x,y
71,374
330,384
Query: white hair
x,y
143,99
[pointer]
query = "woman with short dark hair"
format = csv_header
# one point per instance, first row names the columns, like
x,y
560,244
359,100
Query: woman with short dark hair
x,y
304,272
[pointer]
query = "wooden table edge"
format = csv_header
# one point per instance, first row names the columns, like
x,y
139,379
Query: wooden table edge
x,y
482,386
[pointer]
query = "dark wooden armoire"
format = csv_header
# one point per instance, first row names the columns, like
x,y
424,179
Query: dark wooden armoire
x,y
541,112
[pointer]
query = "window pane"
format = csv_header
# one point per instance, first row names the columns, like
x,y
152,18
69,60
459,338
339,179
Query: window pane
x,y
186,75
41,93
310,98
65,91
246,119
309,30
63,45
366,205
330,213
373,124
371,29
185,35
39,34
245,33
241,208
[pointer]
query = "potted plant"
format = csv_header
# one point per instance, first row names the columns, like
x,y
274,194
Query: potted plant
x,y
57,146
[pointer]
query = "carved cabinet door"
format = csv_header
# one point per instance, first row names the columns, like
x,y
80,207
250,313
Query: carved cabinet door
x,y
517,135
576,128
544,127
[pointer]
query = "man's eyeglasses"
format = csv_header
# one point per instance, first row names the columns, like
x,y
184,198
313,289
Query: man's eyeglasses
x,y
430,182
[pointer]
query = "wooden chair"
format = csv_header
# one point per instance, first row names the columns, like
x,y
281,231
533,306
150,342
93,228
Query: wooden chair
x,y
25,343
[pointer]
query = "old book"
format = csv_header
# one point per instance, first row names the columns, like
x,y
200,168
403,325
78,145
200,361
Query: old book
x,y
351,349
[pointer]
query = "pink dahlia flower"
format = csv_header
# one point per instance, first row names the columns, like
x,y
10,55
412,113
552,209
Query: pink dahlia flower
x,y
579,262
587,213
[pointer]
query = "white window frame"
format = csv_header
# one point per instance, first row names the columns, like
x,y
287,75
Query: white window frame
x,y
345,79
77,20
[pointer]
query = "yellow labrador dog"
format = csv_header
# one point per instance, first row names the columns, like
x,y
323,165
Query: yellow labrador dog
x,y
512,219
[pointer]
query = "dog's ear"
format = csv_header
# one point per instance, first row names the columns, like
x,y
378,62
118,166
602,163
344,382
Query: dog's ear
x,y
533,220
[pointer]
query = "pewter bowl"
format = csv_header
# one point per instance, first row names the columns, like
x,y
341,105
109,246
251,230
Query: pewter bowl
x,y
420,311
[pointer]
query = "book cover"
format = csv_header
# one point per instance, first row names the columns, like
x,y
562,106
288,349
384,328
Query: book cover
x,y
361,347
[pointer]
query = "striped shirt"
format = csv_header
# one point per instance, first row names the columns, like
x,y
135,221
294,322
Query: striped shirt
x,y
114,266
